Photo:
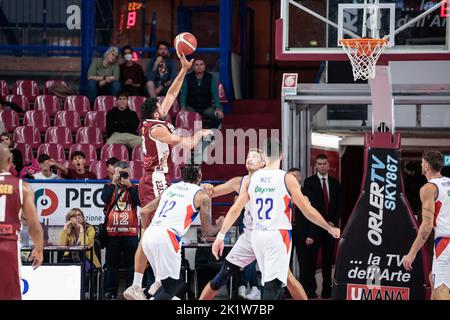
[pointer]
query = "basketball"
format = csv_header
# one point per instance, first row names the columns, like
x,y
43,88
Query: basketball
x,y
185,43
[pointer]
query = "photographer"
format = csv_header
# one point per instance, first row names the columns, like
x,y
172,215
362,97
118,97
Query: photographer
x,y
121,201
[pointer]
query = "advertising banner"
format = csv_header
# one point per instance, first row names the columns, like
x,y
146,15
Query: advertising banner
x,y
53,201
378,235
56,282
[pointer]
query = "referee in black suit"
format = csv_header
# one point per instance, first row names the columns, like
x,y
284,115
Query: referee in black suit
x,y
324,192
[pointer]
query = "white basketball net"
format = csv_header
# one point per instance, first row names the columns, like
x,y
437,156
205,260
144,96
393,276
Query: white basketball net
x,y
363,54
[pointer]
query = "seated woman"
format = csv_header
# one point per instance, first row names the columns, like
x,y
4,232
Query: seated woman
x,y
77,233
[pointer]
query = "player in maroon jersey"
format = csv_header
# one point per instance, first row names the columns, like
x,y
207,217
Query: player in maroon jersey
x,y
157,143
16,199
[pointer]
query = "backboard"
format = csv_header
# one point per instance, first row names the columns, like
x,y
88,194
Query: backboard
x,y
311,29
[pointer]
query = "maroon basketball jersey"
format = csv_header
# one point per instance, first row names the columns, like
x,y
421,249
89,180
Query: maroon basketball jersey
x,y
11,199
157,154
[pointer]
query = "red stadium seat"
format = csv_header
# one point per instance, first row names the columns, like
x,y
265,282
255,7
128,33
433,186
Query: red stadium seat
x,y
135,103
77,103
104,103
136,169
90,135
114,150
186,120
137,154
10,119
69,119
26,150
49,83
222,96
88,149
20,100
47,103
60,135
96,119
28,88
99,169
28,135
38,119
53,150
4,91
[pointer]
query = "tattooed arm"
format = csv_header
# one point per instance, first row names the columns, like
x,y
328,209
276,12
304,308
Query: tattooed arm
x,y
427,195
203,202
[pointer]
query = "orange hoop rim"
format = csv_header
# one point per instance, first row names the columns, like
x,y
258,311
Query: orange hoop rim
x,y
364,42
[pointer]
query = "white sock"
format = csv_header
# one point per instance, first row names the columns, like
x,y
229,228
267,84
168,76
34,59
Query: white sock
x,y
137,280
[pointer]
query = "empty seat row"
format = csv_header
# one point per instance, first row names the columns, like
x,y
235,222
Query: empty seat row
x,y
57,151
28,88
63,118
72,120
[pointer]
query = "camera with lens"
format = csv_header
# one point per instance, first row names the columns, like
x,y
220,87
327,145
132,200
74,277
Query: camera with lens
x,y
124,175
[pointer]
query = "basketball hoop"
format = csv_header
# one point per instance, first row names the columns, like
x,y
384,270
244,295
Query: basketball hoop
x,y
363,54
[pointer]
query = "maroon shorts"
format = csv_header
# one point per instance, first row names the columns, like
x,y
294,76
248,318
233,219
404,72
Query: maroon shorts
x,y
9,271
151,186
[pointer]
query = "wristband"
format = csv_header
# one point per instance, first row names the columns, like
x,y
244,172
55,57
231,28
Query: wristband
x,y
220,236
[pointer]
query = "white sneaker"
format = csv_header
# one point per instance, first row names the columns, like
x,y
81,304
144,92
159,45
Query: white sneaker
x,y
242,290
154,287
254,294
134,293
176,298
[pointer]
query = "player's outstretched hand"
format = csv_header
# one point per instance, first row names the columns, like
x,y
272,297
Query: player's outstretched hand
x,y
408,261
37,257
217,248
185,64
219,220
335,232
208,188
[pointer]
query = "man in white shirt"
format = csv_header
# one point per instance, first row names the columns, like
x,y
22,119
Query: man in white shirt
x,y
45,162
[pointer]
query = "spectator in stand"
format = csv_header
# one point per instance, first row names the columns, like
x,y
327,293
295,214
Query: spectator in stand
x,y
30,169
121,200
131,74
161,71
6,138
104,76
199,89
110,168
46,172
78,159
122,123
77,232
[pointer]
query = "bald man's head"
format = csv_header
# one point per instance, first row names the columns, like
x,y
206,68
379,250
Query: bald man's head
x,y
5,157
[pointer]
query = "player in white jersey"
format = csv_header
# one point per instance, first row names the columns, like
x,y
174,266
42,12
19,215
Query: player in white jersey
x,y
435,198
269,191
176,208
242,254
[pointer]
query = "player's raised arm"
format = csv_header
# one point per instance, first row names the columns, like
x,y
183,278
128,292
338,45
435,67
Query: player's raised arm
x,y
306,208
228,187
203,202
164,135
34,227
427,196
232,214
174,89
